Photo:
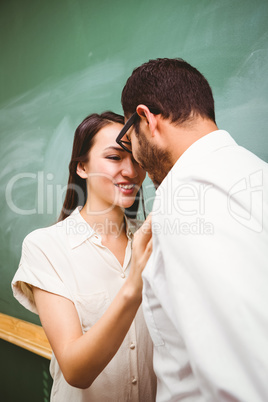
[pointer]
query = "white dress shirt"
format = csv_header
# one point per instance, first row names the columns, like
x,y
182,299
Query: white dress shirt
x,y
68,259
205,296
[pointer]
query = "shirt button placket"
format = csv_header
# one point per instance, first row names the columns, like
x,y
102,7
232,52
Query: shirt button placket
x,y
134,379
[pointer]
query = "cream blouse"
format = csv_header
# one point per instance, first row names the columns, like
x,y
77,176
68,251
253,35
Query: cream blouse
x,y
69,260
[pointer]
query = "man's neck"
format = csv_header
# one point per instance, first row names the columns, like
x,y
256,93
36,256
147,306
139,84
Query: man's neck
x,y
181,137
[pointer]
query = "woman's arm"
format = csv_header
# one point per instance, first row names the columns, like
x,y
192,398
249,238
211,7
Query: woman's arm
x,y
82,357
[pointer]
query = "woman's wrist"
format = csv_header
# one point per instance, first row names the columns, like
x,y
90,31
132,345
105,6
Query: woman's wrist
x,y
132,291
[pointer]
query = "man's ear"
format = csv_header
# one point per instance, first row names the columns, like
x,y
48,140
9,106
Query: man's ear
x,y
148,117
81,171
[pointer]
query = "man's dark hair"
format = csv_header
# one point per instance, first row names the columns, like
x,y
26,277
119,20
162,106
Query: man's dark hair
x,y
178,90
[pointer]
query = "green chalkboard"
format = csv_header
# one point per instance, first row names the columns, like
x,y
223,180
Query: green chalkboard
x,y
61,60
24,375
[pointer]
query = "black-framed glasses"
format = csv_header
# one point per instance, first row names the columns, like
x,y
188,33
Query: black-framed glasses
x,y
126,145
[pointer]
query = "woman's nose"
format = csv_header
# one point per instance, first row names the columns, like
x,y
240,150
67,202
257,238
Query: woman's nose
x,y
129,169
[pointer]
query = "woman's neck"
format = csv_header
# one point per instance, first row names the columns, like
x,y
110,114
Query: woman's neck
x,y
106,224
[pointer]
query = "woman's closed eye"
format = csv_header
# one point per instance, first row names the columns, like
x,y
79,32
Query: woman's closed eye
x,y
113,157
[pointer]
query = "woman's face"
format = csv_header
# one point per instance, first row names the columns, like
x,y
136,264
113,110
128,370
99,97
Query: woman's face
x,y
113,176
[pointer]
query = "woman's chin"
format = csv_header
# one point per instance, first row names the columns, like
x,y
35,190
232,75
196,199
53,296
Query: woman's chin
x,y
127,204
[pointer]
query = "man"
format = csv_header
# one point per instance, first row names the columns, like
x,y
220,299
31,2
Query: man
x,y
205,296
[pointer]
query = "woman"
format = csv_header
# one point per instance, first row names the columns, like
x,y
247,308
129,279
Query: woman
x,y
76,275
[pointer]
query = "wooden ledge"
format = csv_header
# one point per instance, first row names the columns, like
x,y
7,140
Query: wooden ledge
x,y
25,334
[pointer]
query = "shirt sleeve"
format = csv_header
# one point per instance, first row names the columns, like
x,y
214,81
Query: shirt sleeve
x,y
212,284
37,268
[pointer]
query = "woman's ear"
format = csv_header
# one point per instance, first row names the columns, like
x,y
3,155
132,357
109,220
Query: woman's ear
x,y
148,117
81,171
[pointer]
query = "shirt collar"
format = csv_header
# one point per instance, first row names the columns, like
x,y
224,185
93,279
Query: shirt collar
x,y
78,230
199,150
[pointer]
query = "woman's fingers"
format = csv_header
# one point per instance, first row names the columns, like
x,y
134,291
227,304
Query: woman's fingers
x,y
144,234
142,244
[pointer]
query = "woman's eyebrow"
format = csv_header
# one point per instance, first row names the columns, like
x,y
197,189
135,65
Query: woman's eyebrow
x,y
114,148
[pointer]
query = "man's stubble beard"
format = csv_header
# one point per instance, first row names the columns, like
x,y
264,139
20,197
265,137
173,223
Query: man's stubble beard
x,y
155,161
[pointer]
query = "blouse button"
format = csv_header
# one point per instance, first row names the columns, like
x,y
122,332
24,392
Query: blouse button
x,y
132,346
123,275
134,381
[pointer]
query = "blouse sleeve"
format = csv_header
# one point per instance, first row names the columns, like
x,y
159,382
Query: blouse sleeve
x,y
36,268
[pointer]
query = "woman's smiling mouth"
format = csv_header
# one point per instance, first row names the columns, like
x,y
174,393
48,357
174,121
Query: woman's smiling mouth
x,y
126,188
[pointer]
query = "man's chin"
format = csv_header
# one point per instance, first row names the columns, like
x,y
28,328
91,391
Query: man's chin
x,y
154,180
